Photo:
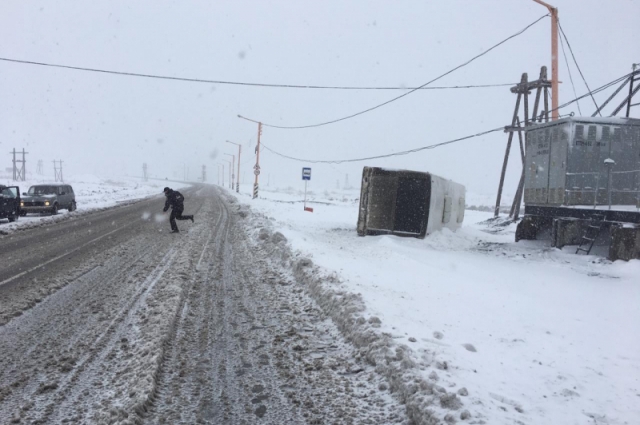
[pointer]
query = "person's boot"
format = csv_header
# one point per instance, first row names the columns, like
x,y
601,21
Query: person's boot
x,y
175,231
191,217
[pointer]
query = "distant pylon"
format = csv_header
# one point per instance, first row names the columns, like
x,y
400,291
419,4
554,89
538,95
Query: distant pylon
x,y
57,170
204,173
19,173
145,174
40,170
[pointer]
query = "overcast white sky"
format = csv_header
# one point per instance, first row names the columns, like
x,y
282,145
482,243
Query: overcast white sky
x,y
109,125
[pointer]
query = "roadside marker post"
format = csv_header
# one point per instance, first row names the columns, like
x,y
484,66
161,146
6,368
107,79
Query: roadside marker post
x,y
306,176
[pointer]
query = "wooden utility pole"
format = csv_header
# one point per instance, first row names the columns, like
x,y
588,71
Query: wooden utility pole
x,y
555,113
523,90
634,76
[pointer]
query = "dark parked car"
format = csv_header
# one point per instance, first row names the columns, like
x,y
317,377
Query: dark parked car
x,y
10,202
48,198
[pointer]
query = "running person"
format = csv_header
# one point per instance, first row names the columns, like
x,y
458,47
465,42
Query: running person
x,y
175,201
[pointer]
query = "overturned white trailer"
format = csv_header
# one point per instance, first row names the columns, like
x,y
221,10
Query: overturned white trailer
x,y
408,203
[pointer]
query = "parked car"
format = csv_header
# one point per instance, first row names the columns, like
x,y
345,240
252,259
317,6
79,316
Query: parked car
x,y
48,198
10,202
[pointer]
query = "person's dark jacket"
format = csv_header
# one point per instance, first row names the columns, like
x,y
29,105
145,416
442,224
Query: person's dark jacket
x,y
174,200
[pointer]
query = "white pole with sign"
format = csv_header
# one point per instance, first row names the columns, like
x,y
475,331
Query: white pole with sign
x,y
306,176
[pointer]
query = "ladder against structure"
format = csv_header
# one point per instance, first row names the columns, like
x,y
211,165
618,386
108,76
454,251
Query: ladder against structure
x,y
591,233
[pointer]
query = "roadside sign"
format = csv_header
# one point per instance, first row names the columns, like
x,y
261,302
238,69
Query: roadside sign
x,y
306,176
306,173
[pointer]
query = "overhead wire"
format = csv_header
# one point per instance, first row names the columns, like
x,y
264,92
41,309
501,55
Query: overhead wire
x,y
404,94
436,145
595,91
578,66
241,83
566,61
400,153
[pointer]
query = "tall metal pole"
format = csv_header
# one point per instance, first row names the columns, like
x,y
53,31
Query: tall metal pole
x,y
239,153
232,170
256,169
222,174
238,181
555,114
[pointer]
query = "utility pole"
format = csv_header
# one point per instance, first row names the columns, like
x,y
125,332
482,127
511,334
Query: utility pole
x,y
239,153
230,164
145,176
523,89
555,113
232,169
19,174
39,170
204,173
631,93
222,174
57,170
256,168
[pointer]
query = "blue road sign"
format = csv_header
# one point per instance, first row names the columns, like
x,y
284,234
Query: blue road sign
x,y
306,173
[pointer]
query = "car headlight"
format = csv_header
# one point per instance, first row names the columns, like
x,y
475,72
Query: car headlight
x,y
22,204
46,203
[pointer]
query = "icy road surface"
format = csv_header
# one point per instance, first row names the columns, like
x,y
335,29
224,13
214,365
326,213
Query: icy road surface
x,y
108,318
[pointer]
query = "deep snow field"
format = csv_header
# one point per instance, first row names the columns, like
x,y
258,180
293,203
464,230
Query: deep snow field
x,y
533,335
92,193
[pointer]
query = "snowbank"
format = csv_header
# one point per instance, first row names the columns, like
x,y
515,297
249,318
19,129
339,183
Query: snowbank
x,y
513,333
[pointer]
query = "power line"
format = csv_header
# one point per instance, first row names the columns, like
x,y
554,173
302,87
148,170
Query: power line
x,y
569,71
595,91
577,66
404,94
240,83
410,151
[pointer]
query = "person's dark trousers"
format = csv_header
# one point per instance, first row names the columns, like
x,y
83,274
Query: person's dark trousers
x,y
176,214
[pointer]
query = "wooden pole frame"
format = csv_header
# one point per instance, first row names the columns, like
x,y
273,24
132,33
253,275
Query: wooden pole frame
x,y
522,90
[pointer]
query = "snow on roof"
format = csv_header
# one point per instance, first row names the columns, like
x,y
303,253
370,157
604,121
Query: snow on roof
x,y
618,121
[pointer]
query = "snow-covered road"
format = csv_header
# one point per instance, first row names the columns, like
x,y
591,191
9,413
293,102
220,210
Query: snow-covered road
x,y
113,320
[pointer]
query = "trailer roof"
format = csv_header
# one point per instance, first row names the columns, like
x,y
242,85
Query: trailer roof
x,y
616,121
